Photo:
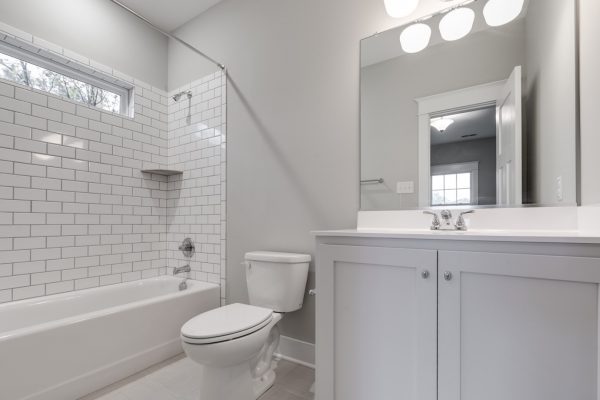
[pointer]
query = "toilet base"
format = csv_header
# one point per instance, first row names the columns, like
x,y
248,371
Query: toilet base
x,y
264,383
234,383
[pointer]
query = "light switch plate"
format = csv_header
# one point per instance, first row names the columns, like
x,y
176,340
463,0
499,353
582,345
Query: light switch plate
x,y
405,187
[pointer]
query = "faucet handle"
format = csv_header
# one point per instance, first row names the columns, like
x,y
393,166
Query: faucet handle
x,y
435,224
461,225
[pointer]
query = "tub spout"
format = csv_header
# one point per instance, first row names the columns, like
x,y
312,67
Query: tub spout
x,y
186,269
179,270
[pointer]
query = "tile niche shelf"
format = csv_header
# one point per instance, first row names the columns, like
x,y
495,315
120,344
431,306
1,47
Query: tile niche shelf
x,y
166,172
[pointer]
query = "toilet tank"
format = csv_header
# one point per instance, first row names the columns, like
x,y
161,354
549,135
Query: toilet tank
x,y
276,280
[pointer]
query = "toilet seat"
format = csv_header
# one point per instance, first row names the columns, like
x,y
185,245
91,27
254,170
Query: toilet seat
x,y
225,323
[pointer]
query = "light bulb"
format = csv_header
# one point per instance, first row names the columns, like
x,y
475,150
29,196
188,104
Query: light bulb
x,y
500,12
415,38
400,8
457,24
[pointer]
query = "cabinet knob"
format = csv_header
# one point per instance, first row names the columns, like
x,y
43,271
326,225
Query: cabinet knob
x,y
425,274
448,275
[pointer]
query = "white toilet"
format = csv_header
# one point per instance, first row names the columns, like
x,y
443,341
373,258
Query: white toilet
x,y
235,343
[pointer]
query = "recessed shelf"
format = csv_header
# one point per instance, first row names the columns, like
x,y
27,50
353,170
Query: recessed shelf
x,y
166,172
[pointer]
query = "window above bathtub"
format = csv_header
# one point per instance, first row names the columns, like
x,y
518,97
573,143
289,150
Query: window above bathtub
x,y
52,73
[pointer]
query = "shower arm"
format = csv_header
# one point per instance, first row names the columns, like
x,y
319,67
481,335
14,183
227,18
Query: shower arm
x,y
167,34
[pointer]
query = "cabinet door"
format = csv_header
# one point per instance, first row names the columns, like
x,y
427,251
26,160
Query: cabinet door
x,y
518,327
376,323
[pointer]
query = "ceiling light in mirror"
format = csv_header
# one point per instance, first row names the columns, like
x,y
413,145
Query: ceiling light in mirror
x,y
400,8
501,12
457,23
442,123
415,38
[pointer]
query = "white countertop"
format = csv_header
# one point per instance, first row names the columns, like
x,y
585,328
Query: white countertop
x,y
474,235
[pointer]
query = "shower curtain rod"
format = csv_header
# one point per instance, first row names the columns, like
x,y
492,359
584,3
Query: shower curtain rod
x,y
167,34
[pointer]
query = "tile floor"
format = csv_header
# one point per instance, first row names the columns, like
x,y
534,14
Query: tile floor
x,y
177,379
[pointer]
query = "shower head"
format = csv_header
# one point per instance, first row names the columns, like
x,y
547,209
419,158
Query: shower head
x,y
178,96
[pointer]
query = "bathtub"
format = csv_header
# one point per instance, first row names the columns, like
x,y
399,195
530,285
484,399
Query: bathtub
x,y
68,345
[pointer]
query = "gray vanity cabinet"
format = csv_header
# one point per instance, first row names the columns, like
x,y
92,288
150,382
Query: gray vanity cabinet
x,y
376,323
517,326
405,320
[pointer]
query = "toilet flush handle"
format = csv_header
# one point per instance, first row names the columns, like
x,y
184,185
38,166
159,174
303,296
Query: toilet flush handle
x,y
312,292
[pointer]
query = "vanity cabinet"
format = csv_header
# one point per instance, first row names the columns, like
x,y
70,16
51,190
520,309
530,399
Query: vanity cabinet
x,y
376,323
417,319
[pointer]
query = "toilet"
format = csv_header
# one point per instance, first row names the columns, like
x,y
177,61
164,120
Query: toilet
x,y
235,343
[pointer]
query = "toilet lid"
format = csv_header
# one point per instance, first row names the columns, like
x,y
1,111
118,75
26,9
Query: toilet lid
x,y
228,322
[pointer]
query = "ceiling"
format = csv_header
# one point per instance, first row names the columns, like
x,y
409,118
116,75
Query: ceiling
x,y
169,14
480,122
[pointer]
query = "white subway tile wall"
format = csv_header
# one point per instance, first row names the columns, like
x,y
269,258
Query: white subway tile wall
x,y
75,209
196,200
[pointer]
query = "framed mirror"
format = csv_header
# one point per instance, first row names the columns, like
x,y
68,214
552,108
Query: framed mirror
x,y
472,108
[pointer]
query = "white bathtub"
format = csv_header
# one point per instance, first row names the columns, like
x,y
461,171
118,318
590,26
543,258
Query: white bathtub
x,y
68,345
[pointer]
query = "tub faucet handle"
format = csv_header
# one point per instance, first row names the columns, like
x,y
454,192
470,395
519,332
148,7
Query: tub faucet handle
x,y
187,247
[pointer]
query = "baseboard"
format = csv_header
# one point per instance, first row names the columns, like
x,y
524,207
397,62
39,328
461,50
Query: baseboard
x,y
297,351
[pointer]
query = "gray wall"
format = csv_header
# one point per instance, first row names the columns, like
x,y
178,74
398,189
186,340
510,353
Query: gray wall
x,y
482,150
590,101
292,122
551,107
389,142
96,29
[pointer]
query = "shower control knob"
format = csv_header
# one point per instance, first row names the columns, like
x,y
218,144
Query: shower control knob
x,y
187,247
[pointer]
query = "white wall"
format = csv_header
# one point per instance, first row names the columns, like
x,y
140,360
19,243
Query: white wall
x,y
551,107
97,29
389,141
75,209
196,199
590,102
292,122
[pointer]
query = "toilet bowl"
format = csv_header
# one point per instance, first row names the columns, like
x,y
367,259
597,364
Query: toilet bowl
x,y
235,343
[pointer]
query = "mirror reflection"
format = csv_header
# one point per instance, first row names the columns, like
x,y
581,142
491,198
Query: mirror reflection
x,y
477,115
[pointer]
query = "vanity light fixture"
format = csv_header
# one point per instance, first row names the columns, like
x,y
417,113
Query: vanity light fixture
x,y
457,23
400,8
415,37
501,12
442,123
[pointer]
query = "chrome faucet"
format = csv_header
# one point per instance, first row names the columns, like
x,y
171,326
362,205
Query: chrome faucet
x,y
446,223
180,270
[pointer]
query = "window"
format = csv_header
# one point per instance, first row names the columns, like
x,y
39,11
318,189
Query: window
x,y
37,72
454,184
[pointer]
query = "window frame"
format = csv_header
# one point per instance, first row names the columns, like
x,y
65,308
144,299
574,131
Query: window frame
x,y
457,168
61,66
